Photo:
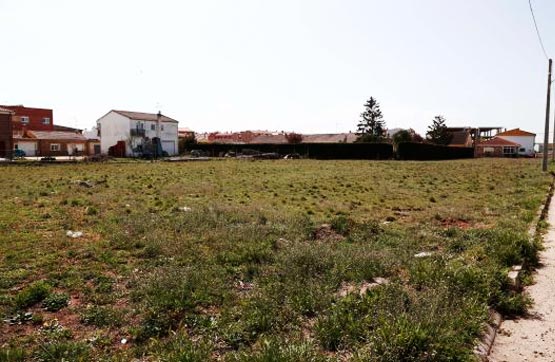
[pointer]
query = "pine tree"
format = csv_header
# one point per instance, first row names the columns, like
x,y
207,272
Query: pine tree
x,y
438,133
371,127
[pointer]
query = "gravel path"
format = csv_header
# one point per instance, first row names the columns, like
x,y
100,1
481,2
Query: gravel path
x,y
533,339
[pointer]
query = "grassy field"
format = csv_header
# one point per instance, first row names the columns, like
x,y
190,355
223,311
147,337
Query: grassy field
x,y
261,261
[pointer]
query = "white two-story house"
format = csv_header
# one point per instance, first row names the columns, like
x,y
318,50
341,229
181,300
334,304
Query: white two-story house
x,y
136,129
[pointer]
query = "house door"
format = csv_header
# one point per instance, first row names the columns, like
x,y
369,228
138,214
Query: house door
x,y
96,149
3,151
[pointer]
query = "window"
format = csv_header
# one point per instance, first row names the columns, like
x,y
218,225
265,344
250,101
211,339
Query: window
x,y
522,149
153,127
509,150
24,119
162,127
54,147
489,150
46,121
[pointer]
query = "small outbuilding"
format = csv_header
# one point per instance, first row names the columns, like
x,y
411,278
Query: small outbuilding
x,y
497,147
51,143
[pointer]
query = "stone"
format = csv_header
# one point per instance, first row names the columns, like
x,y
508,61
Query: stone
x,y
424,254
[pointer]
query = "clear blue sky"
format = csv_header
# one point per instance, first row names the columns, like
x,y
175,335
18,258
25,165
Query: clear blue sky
x,y
295,65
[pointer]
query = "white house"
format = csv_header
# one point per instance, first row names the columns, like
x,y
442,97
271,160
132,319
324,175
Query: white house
x,y
526,140
136,130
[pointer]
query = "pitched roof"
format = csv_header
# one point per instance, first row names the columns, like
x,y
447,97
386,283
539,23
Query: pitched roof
x,y
516,132
278,138
140,116
330,138
67,129
497,141
56,136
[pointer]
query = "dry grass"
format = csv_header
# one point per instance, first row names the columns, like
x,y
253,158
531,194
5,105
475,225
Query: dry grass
x,y
223,260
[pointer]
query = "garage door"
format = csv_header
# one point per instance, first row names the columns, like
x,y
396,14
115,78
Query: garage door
x,y
30,148
169,147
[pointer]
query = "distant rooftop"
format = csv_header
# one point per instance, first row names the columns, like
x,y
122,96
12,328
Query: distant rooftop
x,y
516,132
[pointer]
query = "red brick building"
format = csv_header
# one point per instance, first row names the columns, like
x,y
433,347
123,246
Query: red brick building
x,y
52,144
6,132
35,119
32,131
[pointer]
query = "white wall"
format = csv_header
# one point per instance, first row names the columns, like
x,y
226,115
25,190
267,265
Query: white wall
x,y
29,147
169,134
113,128
526,142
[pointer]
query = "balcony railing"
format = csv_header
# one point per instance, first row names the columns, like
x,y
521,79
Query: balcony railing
x,y
137,132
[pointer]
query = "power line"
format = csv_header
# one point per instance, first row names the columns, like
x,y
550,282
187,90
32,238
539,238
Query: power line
x,y
537,29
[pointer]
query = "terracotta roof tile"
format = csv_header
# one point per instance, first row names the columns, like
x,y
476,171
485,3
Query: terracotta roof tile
x,y
516,132
495,141
57,136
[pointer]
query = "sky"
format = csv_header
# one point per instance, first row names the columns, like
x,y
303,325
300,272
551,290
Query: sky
x,y
294,65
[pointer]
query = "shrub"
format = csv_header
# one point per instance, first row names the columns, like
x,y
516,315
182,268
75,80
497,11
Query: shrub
x,y
55,301
342,225
101,316
182,349
12,355
280,351
63,351
352,319
32,294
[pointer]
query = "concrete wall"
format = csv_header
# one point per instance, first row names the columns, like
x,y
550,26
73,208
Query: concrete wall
x,y
113,128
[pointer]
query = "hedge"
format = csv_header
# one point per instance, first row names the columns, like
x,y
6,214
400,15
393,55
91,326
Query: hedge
x,y
426,151
322,151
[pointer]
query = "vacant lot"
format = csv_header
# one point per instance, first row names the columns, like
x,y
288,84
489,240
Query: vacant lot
x,y
230,260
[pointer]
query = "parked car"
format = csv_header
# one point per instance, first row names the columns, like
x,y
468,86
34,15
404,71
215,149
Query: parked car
x,y
198,153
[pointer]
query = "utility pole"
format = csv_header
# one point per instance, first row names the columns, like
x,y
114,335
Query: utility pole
x,y
553,144
546,135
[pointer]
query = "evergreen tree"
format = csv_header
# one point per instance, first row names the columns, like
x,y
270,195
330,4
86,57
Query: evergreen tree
x,y
371,127
438,133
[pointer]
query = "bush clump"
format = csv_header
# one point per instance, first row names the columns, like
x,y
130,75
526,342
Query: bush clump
x,y
33,294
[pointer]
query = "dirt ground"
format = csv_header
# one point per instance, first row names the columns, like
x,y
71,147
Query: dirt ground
x,y
533,339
